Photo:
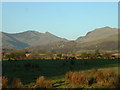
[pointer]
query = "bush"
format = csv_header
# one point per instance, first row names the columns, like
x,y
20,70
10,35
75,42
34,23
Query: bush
x,y
42,83
77,78
68,76
16,83
48,85
107,78
4,82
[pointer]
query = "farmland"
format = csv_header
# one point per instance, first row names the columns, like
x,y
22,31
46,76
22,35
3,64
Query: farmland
x,y
53,70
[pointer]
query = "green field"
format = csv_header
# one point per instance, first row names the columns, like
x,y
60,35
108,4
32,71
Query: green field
x,y
29,70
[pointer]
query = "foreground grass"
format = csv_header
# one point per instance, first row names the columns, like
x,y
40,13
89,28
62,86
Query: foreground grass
x,y
94,78
53,70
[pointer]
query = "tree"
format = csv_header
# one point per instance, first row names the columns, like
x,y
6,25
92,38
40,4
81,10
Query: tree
x,y
97,53
14,55
59,56
10,56
84,55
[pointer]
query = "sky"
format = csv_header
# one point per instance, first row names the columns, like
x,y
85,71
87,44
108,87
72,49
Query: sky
x,y
68,20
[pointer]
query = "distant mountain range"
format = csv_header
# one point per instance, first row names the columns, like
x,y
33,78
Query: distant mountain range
x,y
105,38
28,38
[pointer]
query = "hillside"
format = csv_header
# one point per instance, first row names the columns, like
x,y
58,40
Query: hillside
x,y
28,38
34,38
98,34
56,47
105,38
10,42
108,43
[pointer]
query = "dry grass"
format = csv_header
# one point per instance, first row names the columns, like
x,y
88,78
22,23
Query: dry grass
x,y
4,82
106,78
77,78
42,83
16,83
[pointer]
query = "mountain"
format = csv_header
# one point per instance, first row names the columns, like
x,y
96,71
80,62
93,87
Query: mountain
x,y
103,38
34,38
55,47
98,34
28,38
10,42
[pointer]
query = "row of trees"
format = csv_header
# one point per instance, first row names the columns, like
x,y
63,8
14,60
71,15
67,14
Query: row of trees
x,y
20,54
15,55
96,55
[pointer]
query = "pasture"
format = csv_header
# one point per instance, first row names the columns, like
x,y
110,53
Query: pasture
x,y
29,70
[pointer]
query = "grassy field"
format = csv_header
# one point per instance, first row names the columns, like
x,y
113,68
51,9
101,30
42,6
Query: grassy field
x,y
29,70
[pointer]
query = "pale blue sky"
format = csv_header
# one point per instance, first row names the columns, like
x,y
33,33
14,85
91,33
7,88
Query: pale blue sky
x,y
64,19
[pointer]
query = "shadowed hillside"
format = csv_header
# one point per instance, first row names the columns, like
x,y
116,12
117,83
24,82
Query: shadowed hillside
x,y
10,42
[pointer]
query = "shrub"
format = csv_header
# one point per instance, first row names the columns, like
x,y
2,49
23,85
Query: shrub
x,y
48,85
42,83
4,82
68,76
16,83
77,78
99,77
113,82
107,78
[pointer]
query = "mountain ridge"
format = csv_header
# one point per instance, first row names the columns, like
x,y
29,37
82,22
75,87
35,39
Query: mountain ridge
x,y
100,37
30,38
97,34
